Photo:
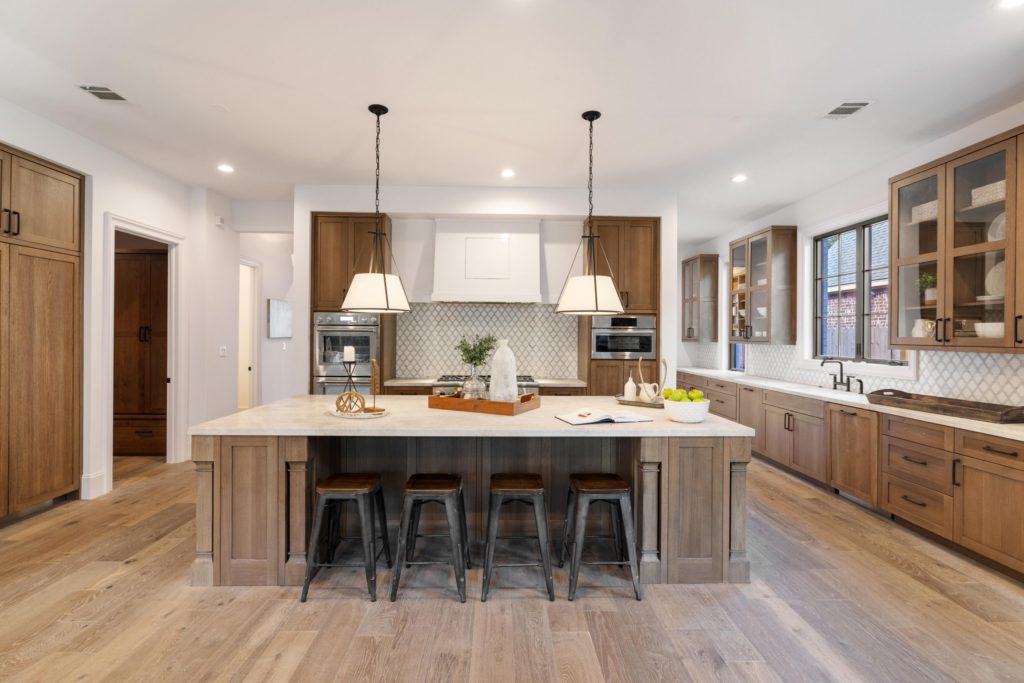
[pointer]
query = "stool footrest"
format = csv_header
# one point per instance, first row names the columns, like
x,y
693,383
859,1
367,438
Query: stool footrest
x,y
619,564
519,564
429,562
512,538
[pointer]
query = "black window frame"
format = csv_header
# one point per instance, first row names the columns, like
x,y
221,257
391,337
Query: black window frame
x,y
861,269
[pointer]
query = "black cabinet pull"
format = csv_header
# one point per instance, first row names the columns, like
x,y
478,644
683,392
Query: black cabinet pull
x,y
143,432
945,329
914,502
922,463
16,218
749,389
955,461
627,299
938,324
1016,329
847,412
1009,454
142,333
7,230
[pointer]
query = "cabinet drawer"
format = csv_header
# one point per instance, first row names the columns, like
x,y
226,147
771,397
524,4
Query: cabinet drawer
x,y
687,380
993,449
925,433
796,404
408,391
140,438
922,506
722,386
722,404
923,465
563,391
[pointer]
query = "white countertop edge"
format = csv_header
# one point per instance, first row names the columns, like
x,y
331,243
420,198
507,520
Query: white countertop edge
x,y
541,381
1009,431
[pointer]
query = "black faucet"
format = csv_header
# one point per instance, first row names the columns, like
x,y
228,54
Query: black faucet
x,y
841,380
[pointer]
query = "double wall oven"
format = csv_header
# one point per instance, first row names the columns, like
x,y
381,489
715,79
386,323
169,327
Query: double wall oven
x,y
332,332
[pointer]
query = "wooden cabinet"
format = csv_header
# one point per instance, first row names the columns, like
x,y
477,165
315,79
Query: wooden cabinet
x,y
42,205
608,377
988,515
342,245
954,249
853,451
633,247
5,382
700,298
751,413
44,334
762,289
794,434
408,391
562,391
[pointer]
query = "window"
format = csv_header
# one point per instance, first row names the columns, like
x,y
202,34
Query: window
x,y
851,294
737,357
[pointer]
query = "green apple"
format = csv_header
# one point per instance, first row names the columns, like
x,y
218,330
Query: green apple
x,y
666,393
678,395
695,395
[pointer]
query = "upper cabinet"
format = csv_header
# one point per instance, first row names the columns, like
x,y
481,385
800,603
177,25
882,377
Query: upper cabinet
x,y
953,251
700,298
342,246
41,204
632,247
762,289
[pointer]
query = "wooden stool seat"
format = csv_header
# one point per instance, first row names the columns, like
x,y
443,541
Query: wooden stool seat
x,y
598,482
517,483
433,483
349,482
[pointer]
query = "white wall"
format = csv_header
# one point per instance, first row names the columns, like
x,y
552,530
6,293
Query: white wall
x,y
860,197
448,201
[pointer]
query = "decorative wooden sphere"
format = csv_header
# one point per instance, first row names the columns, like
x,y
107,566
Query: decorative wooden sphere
x,y
350,402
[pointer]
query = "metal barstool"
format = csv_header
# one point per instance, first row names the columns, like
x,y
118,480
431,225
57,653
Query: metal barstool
x,y
364,489
517,488
444,489
588,488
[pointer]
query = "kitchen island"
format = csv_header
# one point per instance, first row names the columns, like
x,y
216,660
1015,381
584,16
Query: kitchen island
x,y
255,472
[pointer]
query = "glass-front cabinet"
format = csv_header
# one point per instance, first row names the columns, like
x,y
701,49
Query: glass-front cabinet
x,y
953,252
700,298
738,291
762,293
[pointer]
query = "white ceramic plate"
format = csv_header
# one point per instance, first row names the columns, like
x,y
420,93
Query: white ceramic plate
x,y
334,412
995,280
997,228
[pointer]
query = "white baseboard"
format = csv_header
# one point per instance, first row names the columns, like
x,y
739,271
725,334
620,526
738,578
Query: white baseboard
x,y
95,485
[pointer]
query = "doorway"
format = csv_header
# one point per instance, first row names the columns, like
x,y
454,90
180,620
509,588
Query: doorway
x,y
140,347
248,335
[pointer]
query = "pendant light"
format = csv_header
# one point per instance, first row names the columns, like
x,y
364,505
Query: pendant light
x,y
377,291
590,293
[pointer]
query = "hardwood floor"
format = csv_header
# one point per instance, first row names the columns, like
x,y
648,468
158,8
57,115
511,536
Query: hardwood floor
x,y
98,590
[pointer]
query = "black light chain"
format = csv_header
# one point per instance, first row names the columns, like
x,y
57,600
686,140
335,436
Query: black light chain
x,y
590,177
376,191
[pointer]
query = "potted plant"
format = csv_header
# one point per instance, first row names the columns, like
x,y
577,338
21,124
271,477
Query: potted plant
x,y
475,354
926,282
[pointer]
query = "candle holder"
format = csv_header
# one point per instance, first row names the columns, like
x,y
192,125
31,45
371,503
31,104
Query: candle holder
x,y
350,368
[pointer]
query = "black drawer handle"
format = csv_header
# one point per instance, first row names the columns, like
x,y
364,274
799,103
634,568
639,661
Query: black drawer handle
x,y
923,463
1009,454
143,432
749,389
914,502
847,412
718,400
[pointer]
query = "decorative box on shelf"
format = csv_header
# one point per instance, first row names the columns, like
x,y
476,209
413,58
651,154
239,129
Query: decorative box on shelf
x,y
987,194
525,403
928,211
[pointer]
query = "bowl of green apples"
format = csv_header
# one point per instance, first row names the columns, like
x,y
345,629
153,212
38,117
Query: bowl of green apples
x,y
686,406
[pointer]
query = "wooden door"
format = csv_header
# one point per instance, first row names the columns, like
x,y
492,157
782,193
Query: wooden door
x,y
250,553
694,552
609,251
988,510
751,414
362,251
853,451
739,326
45,383
689,320
639,266
706,302
1018,318
155,395
131,312
46,204
810,452
332,257
980,248
5,195
606,377
5,262
778,440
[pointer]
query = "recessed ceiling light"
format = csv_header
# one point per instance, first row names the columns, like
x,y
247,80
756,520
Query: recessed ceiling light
x,y
508,173
739,178
225,168
1011,4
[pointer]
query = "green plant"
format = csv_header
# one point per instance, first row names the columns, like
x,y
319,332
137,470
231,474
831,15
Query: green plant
x,y
926,281
476,352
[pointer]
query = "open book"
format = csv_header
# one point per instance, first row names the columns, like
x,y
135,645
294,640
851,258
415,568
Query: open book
x,y
589,416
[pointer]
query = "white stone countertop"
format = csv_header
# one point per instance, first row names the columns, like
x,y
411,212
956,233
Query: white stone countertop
x,y
409,416
1009,431
541,381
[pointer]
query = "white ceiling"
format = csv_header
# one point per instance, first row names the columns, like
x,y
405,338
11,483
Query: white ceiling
x,y
692,92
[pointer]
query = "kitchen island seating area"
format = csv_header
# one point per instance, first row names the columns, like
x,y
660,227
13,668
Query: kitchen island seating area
x,y
256,474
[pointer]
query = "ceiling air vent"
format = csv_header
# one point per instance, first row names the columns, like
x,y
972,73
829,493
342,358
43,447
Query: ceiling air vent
x,y
101,92
846,110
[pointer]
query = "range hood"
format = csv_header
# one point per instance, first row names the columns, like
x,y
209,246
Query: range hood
x,y
487,260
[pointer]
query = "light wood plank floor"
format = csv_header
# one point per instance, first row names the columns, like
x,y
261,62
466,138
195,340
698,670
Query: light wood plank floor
x,y
99,590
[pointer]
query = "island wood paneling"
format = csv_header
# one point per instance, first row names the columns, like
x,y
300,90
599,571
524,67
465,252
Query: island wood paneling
x,y
249,501
694,513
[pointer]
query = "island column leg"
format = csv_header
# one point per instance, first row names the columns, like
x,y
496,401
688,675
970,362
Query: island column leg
x,y
297,502
651,489
737,456
204,568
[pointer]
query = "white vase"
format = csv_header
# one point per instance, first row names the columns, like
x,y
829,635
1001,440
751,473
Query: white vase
x,y
503,374
629,391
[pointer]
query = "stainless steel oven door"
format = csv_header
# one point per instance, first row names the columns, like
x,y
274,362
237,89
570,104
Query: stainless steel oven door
x,y
329,347
623,344
332,387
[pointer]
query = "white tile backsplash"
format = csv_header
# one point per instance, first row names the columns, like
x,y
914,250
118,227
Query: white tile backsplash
x,y
544,342
703,354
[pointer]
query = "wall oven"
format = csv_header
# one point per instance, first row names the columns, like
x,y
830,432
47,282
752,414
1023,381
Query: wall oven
x,y
332,332
624,337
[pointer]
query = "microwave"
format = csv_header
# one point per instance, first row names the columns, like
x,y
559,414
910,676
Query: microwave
x,y
624,337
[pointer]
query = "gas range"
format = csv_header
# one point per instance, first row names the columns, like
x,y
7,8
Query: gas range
x,y
527,383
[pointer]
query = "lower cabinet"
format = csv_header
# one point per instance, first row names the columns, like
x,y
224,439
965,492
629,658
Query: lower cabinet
x,y
796,440
988,510
853,451
608,377
408,391
562,391
750,402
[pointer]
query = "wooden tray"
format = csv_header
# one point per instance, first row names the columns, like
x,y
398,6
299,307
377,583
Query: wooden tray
x,y
525,403
955,407
660,403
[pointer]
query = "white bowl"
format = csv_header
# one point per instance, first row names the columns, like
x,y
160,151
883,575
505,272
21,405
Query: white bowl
x,y
687,411
990,330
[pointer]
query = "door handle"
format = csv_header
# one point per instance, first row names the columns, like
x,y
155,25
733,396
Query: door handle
x,y
938,324
627,299
955,461
945,329
1016,329
922,463
142,333
16,217
7,230
1009,454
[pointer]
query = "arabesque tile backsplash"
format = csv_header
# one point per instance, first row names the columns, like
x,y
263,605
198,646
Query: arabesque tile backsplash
x,y
543,341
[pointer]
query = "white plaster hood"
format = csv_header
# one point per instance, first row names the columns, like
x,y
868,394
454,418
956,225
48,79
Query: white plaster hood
x,y
493,260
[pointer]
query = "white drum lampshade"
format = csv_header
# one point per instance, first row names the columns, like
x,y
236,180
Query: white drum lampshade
x,y
589,295
376,293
